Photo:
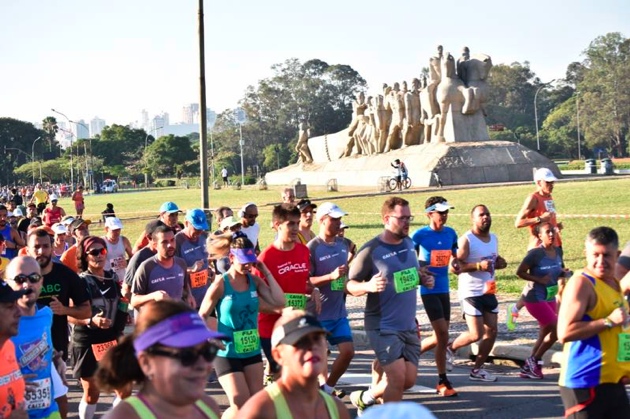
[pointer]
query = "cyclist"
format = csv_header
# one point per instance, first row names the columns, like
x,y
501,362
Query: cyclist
x,y
401,177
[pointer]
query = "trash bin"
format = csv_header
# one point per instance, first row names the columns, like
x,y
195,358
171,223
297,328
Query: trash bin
x,y
590,168
606,167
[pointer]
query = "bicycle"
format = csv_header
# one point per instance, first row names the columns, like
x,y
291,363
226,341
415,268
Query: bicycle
x,y
393,183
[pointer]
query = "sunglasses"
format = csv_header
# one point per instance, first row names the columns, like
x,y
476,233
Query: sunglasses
x,y
188,356
32,278
96,252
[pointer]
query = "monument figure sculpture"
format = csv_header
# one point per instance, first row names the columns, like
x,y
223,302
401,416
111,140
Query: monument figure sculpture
x,y
382,118
358,110
304,153
412,126
462,66
395,103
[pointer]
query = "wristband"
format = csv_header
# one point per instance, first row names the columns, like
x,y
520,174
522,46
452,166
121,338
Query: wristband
x,y
608,323
538,220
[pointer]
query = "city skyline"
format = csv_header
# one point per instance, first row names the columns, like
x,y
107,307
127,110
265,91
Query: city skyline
x,y
114,59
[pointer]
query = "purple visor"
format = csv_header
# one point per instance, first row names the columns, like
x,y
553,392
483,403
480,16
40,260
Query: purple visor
x,y
244,255
179,331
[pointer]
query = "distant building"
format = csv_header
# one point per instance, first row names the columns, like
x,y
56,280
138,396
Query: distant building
x,y
144,120
158,124
82,130
190,114
96,126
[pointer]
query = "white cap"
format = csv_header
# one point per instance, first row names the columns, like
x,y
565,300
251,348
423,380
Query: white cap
x,y
18,213
113,223
544,174
67,221
59,228
54,197
330,209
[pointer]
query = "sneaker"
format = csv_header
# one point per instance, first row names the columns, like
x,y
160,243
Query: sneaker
x,y
450,356
357,401
481,375
269,379
446,389
510,317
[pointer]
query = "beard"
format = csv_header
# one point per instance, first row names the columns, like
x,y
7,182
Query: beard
x,y
485,228
43,261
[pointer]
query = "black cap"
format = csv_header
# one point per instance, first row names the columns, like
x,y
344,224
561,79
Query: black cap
x,y
7,295
294,330
304,204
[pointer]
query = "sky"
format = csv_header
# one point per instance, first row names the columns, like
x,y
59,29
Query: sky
x,y
113,58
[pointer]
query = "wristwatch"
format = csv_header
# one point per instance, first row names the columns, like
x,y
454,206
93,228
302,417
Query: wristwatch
x,y
608,323
538,220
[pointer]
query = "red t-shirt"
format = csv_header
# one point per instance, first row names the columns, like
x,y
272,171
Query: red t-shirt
x,y
52,216
291,269
543,204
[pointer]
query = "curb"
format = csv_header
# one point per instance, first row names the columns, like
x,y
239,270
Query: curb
x,y
501,350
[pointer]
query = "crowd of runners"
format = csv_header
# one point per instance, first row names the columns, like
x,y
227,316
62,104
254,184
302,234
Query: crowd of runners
x,y
261,318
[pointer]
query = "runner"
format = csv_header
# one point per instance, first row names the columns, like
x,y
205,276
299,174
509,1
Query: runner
x,y
170,356
80,229
436,245
329,272
249,226
93,337
299,345
542,268
191,246
288,261
352,247
224,176
288,196
307,211
236,297
169,214
40,197
54,213
140,256
478,256
118,247
592,325
12,386
387,270
12,239
59,242
79,202
538,207
33,345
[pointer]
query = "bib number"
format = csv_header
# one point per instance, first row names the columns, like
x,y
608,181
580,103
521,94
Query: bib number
x,y
440,258
338,284
490,287
40,397
100,349
199,279
551,292
623,351
119,263
246,341
406,280
297,301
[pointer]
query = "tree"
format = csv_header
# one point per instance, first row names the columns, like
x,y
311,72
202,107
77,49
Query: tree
x,y
49,125
121,145
168,154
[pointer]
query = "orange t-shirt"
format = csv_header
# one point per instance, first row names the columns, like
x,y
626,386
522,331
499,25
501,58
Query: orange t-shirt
x,y
543,204
12,386
69,258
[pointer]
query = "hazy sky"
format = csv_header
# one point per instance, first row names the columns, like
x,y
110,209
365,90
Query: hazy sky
x,y
114,58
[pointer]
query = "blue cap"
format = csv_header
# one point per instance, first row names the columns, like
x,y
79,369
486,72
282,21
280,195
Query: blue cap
x,y
169,207
198,219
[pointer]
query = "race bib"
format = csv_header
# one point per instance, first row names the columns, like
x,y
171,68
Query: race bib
x,y
246,341
623,351
199,279
40,397
490,287
551,292
100,349
406,280
296,301
440,258
338,284
549,205
119,263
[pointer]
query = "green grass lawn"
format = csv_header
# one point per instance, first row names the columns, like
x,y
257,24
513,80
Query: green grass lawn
x,y
581,206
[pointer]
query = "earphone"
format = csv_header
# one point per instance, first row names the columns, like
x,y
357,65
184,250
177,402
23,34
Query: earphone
x,y
241,212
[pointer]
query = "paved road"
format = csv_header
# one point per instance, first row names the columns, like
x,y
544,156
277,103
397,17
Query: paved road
x,y
509,397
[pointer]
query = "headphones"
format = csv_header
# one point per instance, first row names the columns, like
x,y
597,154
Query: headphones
x,y
241,212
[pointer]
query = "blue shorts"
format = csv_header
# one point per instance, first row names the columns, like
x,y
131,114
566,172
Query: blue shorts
x,y
339,330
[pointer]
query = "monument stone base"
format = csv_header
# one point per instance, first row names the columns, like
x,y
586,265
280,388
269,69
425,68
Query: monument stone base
x,y
454,163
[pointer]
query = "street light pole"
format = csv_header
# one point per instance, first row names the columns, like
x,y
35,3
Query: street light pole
x,y
536,112
240,129
577,108
146,166
33,157
89,169
71,160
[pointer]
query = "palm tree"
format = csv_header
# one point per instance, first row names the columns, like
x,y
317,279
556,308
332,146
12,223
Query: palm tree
x,y
49,125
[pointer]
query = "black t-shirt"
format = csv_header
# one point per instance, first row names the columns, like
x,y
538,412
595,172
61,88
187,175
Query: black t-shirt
x,y
63,283
23,224
135,262
104,297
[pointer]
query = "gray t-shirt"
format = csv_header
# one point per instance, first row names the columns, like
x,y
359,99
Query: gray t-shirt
x,y
325,258
191,252
394,308
151,276
540,265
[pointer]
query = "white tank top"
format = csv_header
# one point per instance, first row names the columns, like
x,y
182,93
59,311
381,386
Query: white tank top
x,y
477,283
116,258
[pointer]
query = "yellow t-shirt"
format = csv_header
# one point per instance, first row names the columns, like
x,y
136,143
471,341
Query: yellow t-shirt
x,y
3,265
41,196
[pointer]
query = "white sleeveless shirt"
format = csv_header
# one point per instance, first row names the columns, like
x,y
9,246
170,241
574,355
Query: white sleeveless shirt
x,y
477,283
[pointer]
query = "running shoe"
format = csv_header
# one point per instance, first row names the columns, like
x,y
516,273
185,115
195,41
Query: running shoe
x,y
268,380
534,367
481,375
446,389
450,356
510,317
356,400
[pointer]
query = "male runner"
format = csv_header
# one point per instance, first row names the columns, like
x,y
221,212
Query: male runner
x,y
118,247
307,212
250,227
13,240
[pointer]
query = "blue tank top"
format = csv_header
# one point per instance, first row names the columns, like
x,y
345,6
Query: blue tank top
x,y
33,350
237,314
6,233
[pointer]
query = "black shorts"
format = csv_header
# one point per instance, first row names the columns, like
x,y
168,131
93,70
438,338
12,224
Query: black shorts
x,y
437,306
476,306
224,366
85,364
265,344
603,401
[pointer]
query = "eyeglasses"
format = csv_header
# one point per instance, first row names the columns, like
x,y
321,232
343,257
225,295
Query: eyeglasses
x,y
96,252
32,278
404,218
188,356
